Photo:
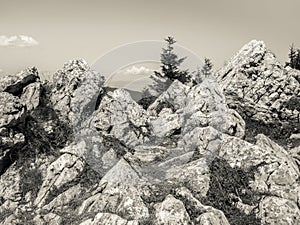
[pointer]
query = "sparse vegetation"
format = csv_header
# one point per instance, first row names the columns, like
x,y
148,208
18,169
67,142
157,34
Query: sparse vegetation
x,y
224,183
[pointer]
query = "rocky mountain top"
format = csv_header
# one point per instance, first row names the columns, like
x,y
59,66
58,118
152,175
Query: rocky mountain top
x,y
225,151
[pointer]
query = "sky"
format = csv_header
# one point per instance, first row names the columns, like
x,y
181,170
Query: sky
x,y
54,32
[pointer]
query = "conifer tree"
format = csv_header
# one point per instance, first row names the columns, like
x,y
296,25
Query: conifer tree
x,y
170,70
207,67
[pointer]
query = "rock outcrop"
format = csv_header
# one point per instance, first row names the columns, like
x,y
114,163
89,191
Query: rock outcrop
x,y
72,153
262,90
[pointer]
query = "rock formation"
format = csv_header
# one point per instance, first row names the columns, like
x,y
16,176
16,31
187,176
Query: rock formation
x,y
72,153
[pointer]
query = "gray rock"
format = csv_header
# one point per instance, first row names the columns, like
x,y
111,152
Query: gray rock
x,y
194,175
109,219
50,218
121,117
211,218
120,199
14,84
276,173
257,85
60,203
31,96
171,212
199,106
10,191
61,171
75,93
274,210
165,124
11,110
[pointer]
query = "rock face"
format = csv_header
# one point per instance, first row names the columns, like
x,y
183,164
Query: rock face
x,y
75,92
261,89
71,153
17,100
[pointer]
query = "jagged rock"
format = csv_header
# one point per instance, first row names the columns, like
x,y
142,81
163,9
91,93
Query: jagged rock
x,y
174,98
274,210
11,219
31,96
260,88
171,211
211,218
50,218
60,203
76,90
10,189
109,159
275,171
208,214
11,110
121,199
204,141
234,124
193,175
122,118
109,219
191,202
199,106
60,172
124,173
14,84
165,124
126,165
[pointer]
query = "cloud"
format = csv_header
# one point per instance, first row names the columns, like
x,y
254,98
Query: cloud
x,y
17,41
138,71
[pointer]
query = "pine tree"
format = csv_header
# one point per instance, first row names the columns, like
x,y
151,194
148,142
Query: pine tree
x,y
170,63
207,67
293,55
297,66
170,70
197,77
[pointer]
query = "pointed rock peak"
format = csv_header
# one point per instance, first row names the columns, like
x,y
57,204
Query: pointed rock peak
x,y
123,173
33,71
253,47
250,53
77,64
120,94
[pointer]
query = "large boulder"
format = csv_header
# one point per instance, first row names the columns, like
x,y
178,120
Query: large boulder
x,y
120,117
261,89
171,211
76,90
274,210
121,199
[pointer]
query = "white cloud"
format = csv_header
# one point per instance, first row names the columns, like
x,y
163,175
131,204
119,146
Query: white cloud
x,y
138,71
17,41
